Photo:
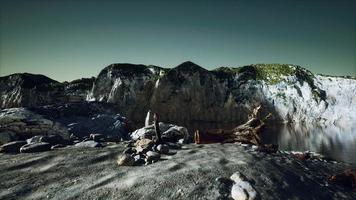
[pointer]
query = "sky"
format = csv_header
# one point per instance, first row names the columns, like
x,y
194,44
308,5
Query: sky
x,y
67,40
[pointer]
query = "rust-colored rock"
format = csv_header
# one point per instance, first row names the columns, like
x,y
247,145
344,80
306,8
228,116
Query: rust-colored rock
x,y
346,179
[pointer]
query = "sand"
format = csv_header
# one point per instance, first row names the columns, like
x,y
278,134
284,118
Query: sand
x,y
191,173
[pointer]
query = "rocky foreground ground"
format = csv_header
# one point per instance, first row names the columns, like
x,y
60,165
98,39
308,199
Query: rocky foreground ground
x,y
210,171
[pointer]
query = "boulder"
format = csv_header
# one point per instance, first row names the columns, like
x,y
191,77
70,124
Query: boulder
x,y
34,139
152,156
52,139
139,160
125,160
163,149
7,136
12,147
242,189
89,143
107,125
35,147
26,123
170,132
143,145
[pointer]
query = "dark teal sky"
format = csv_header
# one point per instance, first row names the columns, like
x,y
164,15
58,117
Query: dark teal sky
x,y
66,40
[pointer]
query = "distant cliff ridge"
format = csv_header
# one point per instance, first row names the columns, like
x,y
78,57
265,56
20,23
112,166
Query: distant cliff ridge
x,y
189,93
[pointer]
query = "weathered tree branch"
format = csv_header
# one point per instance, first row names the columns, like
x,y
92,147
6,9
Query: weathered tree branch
x,y
247,133
156,126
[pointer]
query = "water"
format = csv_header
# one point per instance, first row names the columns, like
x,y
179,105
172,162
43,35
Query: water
x,y
333,142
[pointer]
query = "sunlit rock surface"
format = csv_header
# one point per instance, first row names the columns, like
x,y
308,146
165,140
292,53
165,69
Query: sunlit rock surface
x,y
189,94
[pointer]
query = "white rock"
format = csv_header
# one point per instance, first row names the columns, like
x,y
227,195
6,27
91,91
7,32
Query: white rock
x,y
242,189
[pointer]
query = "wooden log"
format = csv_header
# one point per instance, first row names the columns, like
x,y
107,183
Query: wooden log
x,y
247,133
157,130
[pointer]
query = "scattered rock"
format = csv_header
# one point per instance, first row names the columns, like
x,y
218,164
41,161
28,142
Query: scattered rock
x,y
268,148
242,189
34,139
139,160
152,156
302,155
35,147
224,186
26,123
125,160
113,125
130,143
12,147
346,179
181,141
89,143
97,137
129,150
57,146
143,145
52,139
170,132
7,136
163,148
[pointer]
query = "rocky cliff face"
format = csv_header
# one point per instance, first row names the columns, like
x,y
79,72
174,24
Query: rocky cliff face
x,y
189,94
18,90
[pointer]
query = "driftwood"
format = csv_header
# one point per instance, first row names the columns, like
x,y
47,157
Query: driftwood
x,y
247,133
156,126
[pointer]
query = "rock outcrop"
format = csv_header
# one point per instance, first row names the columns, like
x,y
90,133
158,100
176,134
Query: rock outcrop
x,y
189,94
29,90
192,96
62,120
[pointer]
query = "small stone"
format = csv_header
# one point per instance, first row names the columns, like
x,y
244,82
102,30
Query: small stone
x,y
125,160
76,141
129,150
152,156
52,139
143,145
73,137
34,139
89,143
163,148
12,147
57,146
242,189
35,147
97,137
139,160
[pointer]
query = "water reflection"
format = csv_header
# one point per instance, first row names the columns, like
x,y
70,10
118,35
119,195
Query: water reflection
x,y
333,142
